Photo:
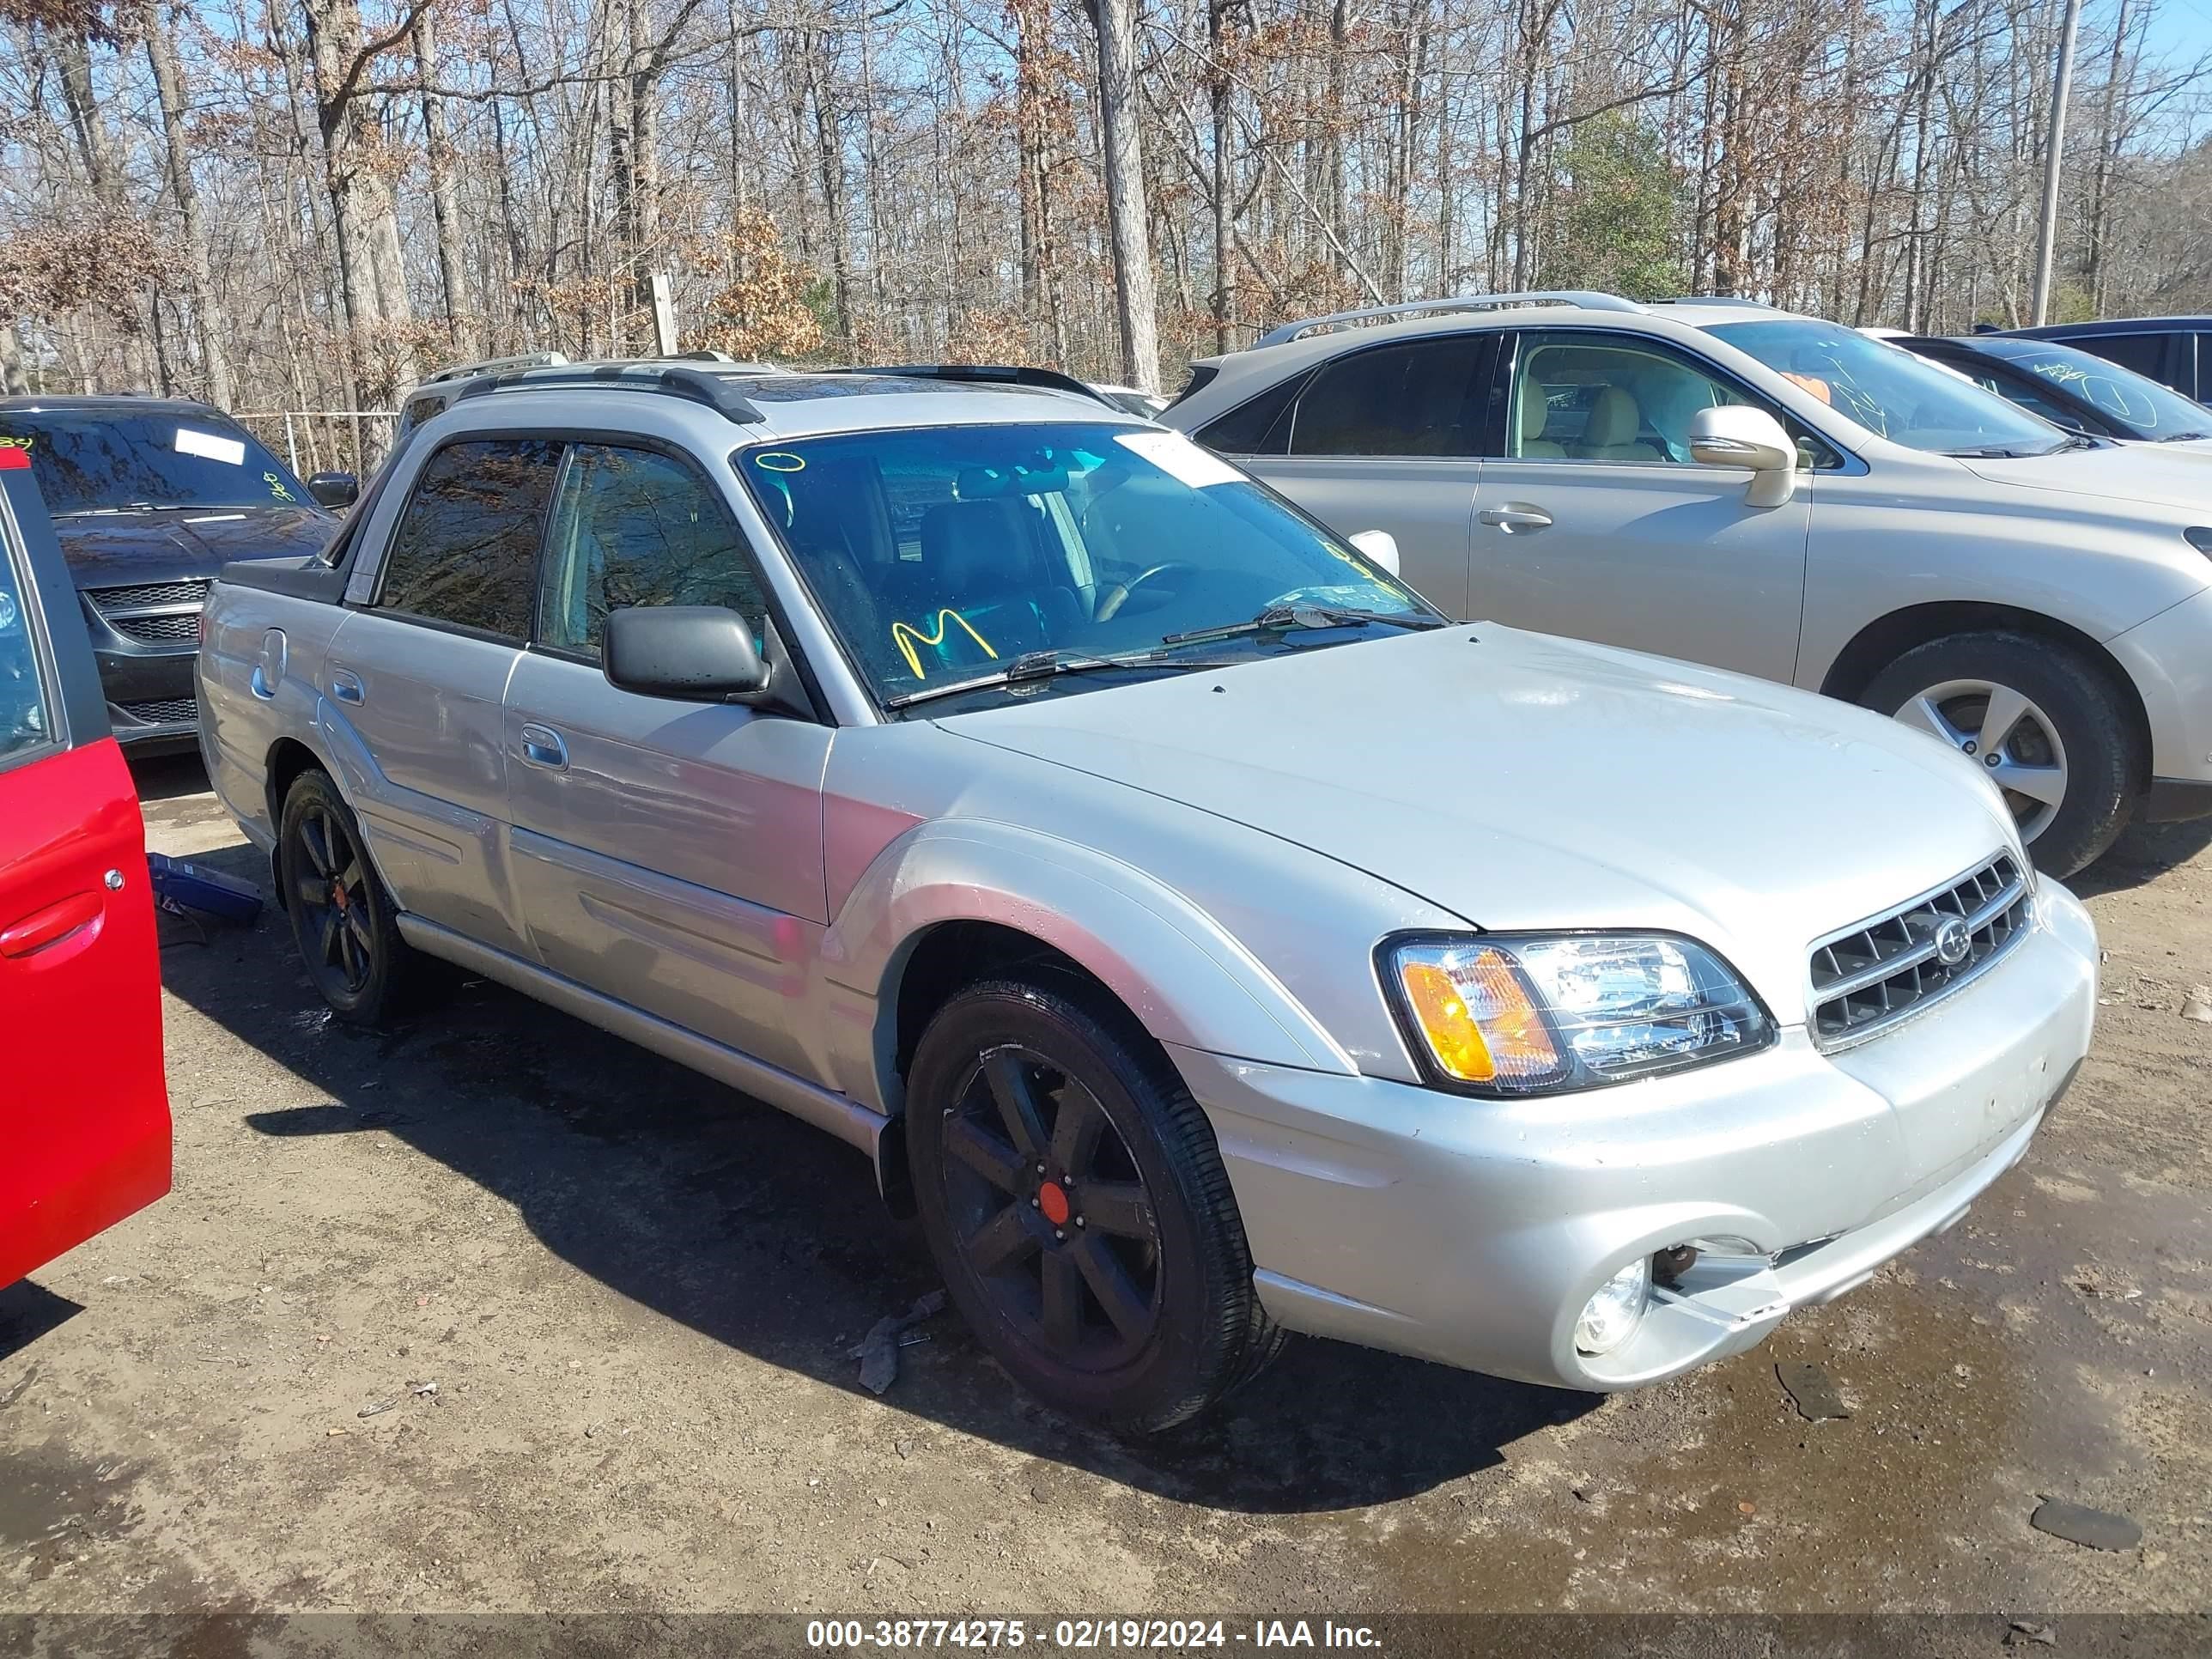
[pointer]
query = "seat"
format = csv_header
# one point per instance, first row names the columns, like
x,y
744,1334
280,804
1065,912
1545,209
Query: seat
x,y
1535,410
1610,434
979,563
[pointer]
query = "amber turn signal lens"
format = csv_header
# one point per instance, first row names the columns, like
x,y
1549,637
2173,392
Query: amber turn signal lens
x,y
1481,1024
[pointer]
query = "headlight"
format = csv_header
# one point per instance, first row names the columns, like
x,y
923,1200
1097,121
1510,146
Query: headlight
x,y
1523,1014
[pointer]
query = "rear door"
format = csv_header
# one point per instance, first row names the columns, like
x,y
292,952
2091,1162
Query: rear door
x,y
84,1110
419,675
1387,438
667,854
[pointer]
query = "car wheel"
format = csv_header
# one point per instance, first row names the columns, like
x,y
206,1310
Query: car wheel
x,y
342,917
2049,727
1074,1199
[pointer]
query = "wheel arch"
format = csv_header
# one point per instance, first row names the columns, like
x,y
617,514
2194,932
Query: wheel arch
x,y
1884,640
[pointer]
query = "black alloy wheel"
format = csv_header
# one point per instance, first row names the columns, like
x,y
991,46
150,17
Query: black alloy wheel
x,y
1052,1212
342,918
1075,1199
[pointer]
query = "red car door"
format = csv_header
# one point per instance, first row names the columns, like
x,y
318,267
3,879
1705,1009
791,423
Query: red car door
x,y
84,1110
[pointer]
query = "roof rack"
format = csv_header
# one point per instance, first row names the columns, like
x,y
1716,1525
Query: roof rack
x,y
1049,379
718,392
1588,299
495,366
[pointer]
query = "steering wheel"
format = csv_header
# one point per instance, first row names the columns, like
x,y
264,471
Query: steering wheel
x,y
1111,601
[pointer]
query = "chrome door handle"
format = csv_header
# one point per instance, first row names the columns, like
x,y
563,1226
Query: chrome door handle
x,y
1515,517
542,746
346,687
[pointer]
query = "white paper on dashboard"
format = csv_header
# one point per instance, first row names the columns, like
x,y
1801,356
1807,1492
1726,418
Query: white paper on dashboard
x,y
1179,457
229,450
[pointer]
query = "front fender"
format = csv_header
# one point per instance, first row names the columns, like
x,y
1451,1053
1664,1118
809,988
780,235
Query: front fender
x,y
1177,969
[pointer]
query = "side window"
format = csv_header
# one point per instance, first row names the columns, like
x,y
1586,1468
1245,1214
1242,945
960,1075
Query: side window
x,y
1595,397
1258,426
632,528
1422,397
2143,353
25,720
465,551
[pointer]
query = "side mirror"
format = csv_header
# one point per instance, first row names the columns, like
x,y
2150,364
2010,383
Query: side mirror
x,y
1736,434
693,653
335,489
1379,546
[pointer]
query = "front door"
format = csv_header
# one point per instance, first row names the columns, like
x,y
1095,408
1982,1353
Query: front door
x,y
1387,438
1595,522
419,676
84,1108
667,854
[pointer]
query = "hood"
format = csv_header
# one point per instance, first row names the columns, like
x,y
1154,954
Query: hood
x,y
114,549
1521,781
2166,475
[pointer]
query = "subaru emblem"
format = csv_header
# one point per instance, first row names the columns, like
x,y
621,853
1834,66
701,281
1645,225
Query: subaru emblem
x,y
1954,941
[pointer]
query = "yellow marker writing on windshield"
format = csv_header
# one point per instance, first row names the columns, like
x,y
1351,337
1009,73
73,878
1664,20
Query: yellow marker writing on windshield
x,y
906,636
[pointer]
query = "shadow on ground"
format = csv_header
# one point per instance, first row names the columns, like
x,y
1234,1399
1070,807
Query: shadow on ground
x,y
2144,852
711,1209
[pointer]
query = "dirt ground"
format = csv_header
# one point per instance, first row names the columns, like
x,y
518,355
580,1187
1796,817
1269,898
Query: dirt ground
x,y
635,1293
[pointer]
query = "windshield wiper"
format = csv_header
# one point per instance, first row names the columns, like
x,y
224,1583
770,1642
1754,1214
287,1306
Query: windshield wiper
x,y
101,512
1046,666
1277,617
2183,437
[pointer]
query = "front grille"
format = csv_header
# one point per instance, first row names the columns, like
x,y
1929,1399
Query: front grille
x,y
148,596
153,613
164,711
175,628
1867,978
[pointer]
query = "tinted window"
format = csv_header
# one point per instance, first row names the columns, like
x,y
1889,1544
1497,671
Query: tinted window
x,y
467,547
636,528
2021,391
25,722
88,463
1259,426
2143,353
1423,397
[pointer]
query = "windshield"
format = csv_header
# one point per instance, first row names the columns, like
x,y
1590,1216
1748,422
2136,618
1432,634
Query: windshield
x,y
88,463
1888,391
2136,401
942,554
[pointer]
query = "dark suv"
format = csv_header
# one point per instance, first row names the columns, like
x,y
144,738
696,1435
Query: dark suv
x,y
150,499
2175,350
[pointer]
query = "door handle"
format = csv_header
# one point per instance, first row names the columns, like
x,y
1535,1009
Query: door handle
x,y
346,687
542,746
1516,517
44,929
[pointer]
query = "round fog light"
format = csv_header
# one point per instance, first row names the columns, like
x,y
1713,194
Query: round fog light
x,y
1611,1317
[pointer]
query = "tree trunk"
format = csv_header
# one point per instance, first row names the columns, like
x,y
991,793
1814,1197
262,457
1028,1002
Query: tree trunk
x,y
1135,298
445,206
207,314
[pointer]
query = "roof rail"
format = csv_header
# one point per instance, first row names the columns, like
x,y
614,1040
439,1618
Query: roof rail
x,y
1714,299
495,366
1588,299
718,392
1049,379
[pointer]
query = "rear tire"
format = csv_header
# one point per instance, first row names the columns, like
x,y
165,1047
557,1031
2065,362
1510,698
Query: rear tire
x,y
343,919
2068,737
1117,1283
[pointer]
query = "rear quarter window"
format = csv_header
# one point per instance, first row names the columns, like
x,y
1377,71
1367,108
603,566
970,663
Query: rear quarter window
x,y
26,711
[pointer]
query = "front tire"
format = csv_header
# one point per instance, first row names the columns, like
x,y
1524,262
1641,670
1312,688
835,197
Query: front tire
x,y
1075,1202
2048,726
342,918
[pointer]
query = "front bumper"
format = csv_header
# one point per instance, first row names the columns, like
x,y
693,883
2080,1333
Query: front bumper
x,y
152,701
1473,1233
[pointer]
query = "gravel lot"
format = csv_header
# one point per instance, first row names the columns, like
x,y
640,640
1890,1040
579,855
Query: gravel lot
x,y
635,1293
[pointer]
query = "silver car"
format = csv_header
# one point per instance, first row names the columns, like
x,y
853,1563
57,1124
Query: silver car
x,y
1207,939
1714,480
